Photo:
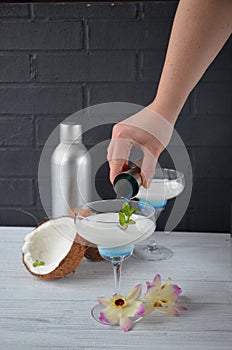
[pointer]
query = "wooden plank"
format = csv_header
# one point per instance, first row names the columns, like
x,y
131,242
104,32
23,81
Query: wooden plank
x,y
106,339
70,289
48,314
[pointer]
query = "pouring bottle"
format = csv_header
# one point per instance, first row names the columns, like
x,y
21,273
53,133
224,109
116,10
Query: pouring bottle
x,y
70,171
126,184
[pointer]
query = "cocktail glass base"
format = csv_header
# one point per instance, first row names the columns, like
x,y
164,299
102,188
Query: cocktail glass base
x,y
97,309
152,251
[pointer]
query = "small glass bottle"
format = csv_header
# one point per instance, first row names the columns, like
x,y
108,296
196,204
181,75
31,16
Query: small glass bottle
x,y
127,184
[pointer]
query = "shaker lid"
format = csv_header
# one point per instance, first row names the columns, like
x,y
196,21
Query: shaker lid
x,y
70,132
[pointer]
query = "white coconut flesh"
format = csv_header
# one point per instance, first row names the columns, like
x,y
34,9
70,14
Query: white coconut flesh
x,y
49,243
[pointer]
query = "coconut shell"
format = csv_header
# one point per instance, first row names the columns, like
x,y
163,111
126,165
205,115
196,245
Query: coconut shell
x,y
80,248
84,212
91,252
67,265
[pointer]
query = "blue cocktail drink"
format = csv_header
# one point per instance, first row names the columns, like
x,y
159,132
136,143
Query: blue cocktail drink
x,y
118,253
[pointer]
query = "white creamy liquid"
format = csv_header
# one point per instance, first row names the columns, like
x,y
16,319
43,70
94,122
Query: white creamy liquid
x,y
103,230
160,190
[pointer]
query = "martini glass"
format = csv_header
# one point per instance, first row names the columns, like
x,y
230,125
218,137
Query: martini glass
x,y
115,244
166,184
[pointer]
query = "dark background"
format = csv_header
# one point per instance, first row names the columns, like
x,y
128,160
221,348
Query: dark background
x,y
58,58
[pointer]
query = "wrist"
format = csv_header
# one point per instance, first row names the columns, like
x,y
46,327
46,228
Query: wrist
x,y
167,110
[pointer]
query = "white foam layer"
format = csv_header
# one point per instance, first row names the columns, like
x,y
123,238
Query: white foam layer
x,y
160,190
104,230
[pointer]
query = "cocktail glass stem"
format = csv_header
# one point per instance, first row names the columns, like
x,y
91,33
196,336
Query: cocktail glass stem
x,y
117,268
116,256
152,246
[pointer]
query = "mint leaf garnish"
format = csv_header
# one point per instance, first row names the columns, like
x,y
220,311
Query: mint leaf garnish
x,y
126,209
125,214
122,220
38,263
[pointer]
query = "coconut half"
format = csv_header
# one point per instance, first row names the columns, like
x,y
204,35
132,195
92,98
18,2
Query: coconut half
x,y
54,244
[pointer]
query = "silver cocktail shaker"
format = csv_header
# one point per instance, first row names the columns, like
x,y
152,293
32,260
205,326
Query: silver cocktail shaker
x,y
70,171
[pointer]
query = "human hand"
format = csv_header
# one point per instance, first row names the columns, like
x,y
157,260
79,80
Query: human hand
x,y
146,130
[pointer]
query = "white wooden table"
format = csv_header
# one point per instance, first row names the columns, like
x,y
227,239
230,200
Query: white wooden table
x,y
38,314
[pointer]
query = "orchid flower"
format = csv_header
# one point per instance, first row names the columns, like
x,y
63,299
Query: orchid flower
x,y
120,310
162,297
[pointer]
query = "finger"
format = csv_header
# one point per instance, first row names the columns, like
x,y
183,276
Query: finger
x,y
119,148
148,168
116,167
117,156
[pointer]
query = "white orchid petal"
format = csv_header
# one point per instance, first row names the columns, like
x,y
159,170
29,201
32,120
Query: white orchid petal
x,y
148,308
111,314
153,291
131,310
134,294
104,301
125,324
157,280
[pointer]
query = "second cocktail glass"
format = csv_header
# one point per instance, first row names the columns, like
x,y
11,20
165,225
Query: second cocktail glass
x,y
166,184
